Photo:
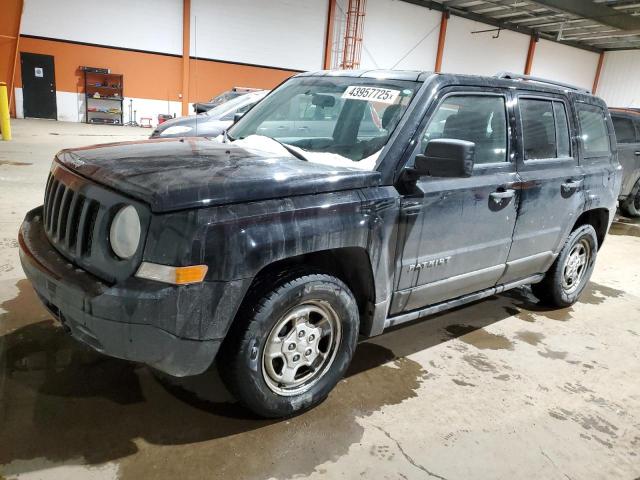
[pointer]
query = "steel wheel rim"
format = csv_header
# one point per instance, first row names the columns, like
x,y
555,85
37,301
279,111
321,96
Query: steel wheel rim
x,y
301,348
576,266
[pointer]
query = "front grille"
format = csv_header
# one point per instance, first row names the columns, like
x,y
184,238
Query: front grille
x,y
69,218
77,214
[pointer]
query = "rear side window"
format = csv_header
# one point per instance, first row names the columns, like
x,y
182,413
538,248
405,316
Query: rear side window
x,y
624,128
545,129
593,128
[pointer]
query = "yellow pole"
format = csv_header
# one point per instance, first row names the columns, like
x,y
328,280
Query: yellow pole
x,y
5,125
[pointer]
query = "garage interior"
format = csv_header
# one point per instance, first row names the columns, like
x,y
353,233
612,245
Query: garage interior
x,y
499,389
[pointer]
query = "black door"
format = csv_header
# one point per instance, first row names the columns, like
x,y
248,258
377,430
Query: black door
x,y
457,232
38,85
552,189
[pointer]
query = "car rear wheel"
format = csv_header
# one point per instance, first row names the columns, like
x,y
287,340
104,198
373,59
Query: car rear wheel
x,y
294,346
631,205
570,273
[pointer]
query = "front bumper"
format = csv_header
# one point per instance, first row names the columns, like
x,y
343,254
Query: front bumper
x,y
115,320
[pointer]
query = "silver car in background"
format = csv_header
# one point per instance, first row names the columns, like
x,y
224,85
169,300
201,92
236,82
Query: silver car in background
x,y
211,123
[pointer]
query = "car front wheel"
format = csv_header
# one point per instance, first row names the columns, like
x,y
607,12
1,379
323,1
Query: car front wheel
x,y
294,345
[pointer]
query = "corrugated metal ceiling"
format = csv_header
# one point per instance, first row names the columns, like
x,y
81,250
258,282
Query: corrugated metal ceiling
x,y
593,24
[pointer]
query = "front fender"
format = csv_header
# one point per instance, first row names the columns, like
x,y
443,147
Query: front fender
x,y
237,241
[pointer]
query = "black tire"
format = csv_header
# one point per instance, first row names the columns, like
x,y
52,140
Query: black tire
x,y
552,290
247,371
630,206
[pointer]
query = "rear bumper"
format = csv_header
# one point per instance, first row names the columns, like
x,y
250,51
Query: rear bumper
x,y
115,320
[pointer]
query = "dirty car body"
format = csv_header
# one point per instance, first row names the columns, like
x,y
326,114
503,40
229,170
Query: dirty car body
x,y
406,242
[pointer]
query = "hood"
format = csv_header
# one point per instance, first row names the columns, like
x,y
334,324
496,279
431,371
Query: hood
x,y
175,174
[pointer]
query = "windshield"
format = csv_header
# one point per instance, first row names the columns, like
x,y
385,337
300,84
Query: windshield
x,y
225,96
231,105
333,120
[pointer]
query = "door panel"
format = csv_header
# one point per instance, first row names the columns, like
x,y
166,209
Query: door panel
x,y
38,85
629,158
455,233
552,189
547,209
628,151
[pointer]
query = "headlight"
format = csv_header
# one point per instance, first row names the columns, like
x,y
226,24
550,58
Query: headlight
x,y
176,130
125,232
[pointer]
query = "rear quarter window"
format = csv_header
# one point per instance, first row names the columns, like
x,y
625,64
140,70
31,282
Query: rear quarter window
x,y
593,130
624,128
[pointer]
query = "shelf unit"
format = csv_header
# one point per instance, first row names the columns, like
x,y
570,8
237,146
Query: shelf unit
x,y
110,88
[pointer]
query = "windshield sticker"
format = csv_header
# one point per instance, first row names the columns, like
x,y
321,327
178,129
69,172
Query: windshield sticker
x,y
371,94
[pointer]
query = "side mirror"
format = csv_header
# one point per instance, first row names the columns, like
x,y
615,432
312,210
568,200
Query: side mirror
x,y
446,157
237,116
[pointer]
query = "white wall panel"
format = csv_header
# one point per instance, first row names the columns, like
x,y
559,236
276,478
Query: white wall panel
x,y
277,33
564,63
19,103
619,84
480,53
153,25
394,29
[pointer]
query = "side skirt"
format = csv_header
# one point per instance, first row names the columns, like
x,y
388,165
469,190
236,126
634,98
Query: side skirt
x,y
456,302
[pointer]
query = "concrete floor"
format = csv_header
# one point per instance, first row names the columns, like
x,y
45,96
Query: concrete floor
x,y
502,389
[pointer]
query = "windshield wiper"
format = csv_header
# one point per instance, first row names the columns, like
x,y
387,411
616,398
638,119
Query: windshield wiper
x,y
291,150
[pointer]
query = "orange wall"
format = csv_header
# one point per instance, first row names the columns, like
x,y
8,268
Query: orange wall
x,y
145,75
208,78
148,75
9,25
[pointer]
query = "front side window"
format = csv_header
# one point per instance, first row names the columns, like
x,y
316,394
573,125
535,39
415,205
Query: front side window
x,y
480,119
593,130
624,128
545,130
342,121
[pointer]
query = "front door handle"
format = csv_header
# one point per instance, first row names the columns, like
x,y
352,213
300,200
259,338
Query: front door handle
x,y
637,152
502,194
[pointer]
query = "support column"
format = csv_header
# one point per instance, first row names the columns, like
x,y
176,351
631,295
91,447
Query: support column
x,y
598,71
15,36
531,53
186,42
441,38
328,41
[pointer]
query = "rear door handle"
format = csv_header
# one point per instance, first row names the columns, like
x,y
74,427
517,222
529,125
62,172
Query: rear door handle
x,y
637,152
502,194
572,184
569,187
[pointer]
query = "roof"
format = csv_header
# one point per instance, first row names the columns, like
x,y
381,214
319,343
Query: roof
x,y
595,25
412,75
633,111
500,78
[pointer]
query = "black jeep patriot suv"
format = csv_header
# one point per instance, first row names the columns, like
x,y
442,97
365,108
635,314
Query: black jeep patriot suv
x,y
271,254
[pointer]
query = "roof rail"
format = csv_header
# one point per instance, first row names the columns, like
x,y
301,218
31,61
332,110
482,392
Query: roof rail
x,y
530,78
